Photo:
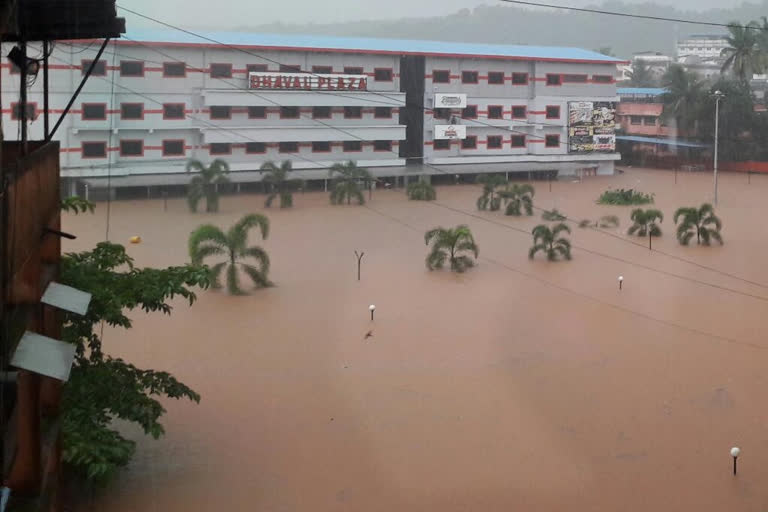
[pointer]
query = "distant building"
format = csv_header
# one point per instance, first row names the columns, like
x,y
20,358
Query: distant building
x,y
639,112
656,62
705,68
705,47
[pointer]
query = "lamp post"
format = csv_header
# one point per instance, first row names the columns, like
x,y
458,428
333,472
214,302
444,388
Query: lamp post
x,y
621,281
735,451
718,96
372,308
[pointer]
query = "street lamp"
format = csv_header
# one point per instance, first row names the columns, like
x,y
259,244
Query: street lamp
x,y
735,451
718,96
372,308
621,281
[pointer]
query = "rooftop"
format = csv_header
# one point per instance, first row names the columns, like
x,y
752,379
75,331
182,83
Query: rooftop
x,y
648,91
367,45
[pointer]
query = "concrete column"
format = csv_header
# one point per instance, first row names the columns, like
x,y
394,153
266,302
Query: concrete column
x,y
325,185
86,192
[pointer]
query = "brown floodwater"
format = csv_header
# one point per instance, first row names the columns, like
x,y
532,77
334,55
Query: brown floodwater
x,y
519,385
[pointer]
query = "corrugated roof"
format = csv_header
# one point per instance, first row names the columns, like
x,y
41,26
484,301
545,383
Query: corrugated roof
x,y
649,91
371,45
663,142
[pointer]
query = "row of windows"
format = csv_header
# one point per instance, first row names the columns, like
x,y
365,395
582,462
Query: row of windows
x,y
176,147
644,120
497,112
135,68
496,142
443,76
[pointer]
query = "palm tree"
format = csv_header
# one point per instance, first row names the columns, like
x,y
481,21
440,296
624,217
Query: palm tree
x,y
546,240
489,199
641,75
702,223
450,244
520,197
743,55
347,178
280,183
421,191
683,97
209,240
645,222
552,215
206,183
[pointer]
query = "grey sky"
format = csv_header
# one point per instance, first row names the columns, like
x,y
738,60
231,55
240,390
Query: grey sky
x,y
225,14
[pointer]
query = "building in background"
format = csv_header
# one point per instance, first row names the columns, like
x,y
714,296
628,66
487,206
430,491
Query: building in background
x,y
656,62
639,112
705,47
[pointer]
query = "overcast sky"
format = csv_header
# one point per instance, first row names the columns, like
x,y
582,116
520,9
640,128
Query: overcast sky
x,y
225,14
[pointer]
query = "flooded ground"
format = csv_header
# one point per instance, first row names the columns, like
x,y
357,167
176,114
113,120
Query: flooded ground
x,y
517,386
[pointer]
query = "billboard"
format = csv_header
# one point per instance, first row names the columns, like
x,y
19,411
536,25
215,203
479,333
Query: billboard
x,y
307,81
450,131
591,126
450,100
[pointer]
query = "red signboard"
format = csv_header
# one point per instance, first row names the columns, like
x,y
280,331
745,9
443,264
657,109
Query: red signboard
x,y
307,81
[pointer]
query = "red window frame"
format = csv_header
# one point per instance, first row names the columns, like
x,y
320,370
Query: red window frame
x,y
212,64
183,111
434,76
473,138
387,150
100,142
256,68
315,116
447,144
248,147
330,146
476,80
512,78
559,80
101,64
496,73
353,117
513,138
229,112
501,111
122,154
183,147
120,68
228,152
494,137
82,112
525,112
391,72
354,70
601,79
546,111
436,113
280,149
33,104
322,70
290,68
166,75
547,138
283,116
132,118
582,78
257,117
470,117
359,146
376,113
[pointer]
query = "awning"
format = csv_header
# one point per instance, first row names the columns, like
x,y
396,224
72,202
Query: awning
x,y
663,142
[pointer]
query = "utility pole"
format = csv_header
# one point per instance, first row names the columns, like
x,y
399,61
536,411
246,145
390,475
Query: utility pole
x,y
718,96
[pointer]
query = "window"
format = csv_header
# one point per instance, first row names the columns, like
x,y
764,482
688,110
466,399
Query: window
x,y
442,144
321,147
257,112
221,112
131,68
100,69
352,146
288,147
131,148
290,68
442,113
221,70
554,80
494,142
469,143
552,141
353,112
353,70
635,119
518,141
321,112
382,113
255,148
174,69
495,112
289,112
94,149
94,111
553,112
602,79
322,70
469,112
496,77
519,78
649,120
470,77
220,148
575,79
256,68
131,111
173,147
382,145
382,74
173,110
441,76
519,112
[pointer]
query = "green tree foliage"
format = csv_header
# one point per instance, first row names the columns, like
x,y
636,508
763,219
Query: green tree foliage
x,y
205,183
741,132
685,91
102,388
548,241
490,200
76,204
642,76
347,179
701,223
743,54
552,215
451,245
624,197
209,240
645,221
518,198
280,185
421,191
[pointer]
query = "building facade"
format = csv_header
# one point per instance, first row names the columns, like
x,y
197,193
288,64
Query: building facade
x,y
705,47
640,112
157,99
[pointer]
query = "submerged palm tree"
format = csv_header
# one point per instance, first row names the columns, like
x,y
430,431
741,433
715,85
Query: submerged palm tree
x,y
645,221
421,191
604,222
205,184
449,244
743,54
547,241
347,178
209,240
552,215
280,183
518,197
701,223
490,200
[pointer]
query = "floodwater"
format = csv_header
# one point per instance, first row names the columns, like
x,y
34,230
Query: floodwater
x,y
518,385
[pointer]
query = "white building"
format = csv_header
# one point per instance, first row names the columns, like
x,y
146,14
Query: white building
x,y
157,99
705,47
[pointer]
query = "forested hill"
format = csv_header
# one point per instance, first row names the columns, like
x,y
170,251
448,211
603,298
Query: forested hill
x,y
510,24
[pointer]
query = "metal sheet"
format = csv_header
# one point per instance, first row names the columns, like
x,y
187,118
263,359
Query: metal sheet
x,y
67,298
43,355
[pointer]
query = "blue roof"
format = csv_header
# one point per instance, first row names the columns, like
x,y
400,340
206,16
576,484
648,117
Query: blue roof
x,y
664,142
649,91
372,45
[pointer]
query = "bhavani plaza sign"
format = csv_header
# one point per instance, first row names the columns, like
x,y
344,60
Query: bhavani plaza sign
x,y
307,81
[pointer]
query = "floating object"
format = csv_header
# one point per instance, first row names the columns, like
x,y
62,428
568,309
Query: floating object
x,y
735,452
372,308
135,239
621,281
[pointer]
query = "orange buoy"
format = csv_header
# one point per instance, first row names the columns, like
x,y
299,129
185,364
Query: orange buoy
x,y
135,239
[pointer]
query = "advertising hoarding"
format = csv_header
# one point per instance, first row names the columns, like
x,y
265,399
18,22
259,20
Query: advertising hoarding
x,y
450,131
591,126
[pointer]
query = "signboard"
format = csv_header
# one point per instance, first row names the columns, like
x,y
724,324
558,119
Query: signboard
x,y
450,100
591,126
450,131
307,81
